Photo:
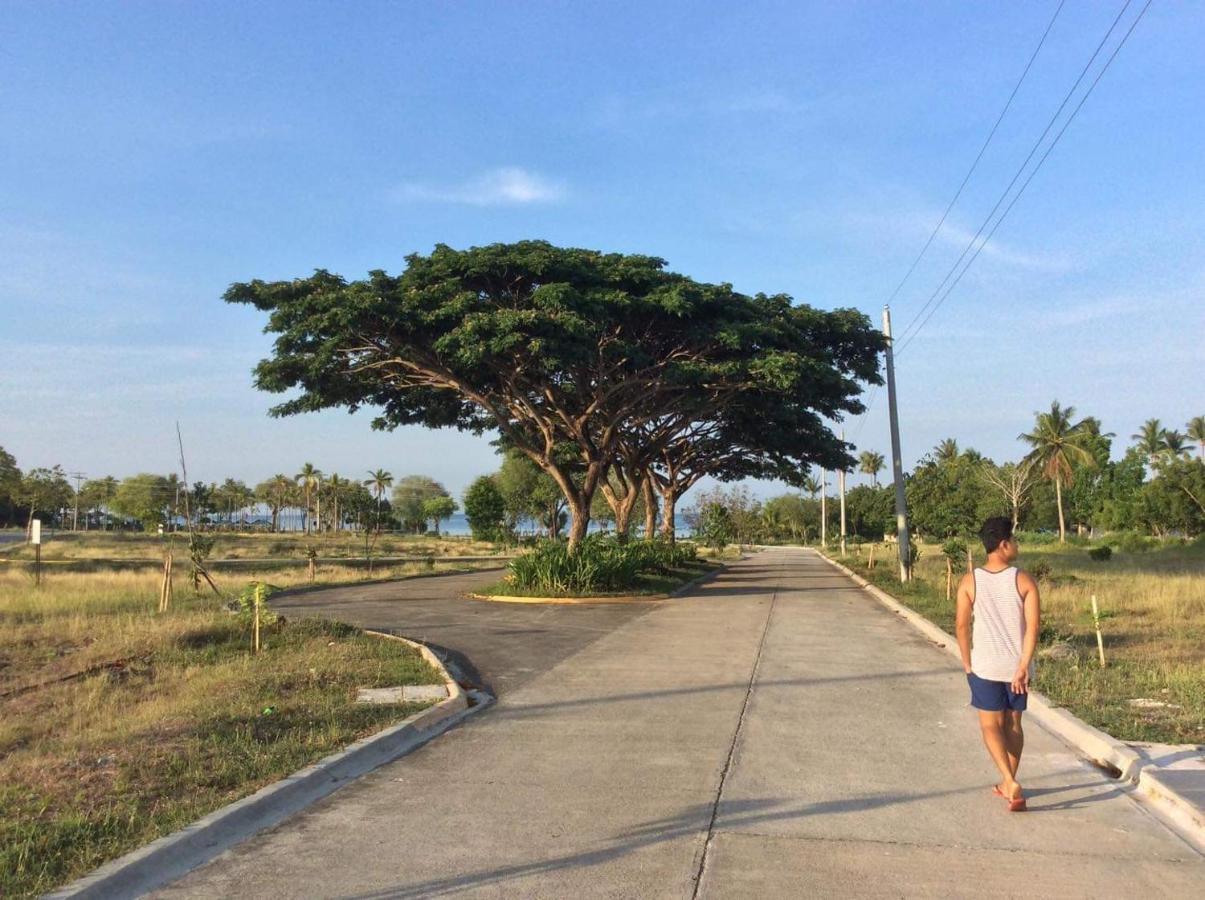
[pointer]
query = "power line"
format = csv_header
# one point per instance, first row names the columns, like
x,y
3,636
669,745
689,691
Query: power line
x,y
971,171
1034,172
911,327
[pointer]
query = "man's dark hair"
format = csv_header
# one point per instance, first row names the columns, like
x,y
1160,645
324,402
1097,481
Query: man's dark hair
x,y
995,531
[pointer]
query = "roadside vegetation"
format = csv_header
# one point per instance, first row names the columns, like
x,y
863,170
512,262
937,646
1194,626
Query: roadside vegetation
x,y
119,724
1152,603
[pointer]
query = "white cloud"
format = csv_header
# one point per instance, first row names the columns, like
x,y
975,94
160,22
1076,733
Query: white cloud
x,y
506,186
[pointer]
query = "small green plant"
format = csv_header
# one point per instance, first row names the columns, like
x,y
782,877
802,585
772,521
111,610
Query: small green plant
x,y
253,609
1101,554
716,527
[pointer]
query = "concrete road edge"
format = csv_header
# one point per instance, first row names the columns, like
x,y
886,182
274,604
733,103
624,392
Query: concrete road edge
x,y
1099,748
174,855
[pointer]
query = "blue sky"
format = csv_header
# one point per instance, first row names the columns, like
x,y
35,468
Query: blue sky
x,y
155,152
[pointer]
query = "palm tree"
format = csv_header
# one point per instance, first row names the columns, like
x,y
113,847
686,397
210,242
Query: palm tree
x,y
1174,444
1196,432
309,478
379,482
1150,438
278,490
871,463
1058,447
813,485
336,485
946,451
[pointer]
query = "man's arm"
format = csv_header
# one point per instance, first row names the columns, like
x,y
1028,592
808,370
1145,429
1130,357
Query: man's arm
x,y
962,621
1028,589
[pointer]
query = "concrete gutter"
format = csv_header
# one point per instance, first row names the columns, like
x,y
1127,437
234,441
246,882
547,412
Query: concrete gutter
x,y
172,856
1120,760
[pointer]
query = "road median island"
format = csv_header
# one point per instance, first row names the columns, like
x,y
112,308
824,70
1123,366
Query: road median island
x,y
673,584
175,854
1178,804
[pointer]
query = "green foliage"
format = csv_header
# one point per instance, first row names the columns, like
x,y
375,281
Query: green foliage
x,y
1102,553
256,594
954,550
145,497
716,528
946,496
870,511
410,498
599,565
485,509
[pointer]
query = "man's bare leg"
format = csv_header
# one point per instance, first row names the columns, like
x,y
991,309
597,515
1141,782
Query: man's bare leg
x,y
1014,739
991,724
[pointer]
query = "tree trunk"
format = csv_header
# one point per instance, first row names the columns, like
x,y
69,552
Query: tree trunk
x,y
669,502
650,508
622,508
1058,495
579,522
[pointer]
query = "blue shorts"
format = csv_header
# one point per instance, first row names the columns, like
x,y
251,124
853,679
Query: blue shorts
x,y
994,696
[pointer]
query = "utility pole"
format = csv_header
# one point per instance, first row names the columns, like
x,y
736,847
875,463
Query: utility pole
x,y
897,466
78,476
841,487
824,508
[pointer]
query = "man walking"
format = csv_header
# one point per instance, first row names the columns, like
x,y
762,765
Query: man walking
x,y
997,650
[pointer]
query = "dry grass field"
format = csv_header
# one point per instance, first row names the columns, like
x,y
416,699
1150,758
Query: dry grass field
x,y
1152,604
119,724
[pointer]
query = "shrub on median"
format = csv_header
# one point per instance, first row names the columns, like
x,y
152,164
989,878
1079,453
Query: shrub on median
x,y
601,564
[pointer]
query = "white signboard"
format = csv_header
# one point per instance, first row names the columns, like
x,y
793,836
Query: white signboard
x,y
35,532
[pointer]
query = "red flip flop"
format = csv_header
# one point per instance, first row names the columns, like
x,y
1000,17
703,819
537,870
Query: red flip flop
x,y
1017,805
999,793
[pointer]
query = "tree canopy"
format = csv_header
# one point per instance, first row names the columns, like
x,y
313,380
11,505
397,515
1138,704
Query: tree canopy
x,y
609,354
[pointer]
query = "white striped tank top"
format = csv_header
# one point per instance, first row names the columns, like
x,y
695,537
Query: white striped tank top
x,y
999,625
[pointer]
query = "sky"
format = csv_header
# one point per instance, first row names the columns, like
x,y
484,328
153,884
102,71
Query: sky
x,y
153,153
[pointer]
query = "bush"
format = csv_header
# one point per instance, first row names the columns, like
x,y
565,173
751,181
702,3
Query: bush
x,y
1101,554
1041,571
1131,542
600,565
1037,538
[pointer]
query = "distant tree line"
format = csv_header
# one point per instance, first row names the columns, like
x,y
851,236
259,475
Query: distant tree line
x,y
1067,482
308,501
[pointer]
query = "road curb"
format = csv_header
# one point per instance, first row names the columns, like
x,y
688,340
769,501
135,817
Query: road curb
x,y
1097,747
172,856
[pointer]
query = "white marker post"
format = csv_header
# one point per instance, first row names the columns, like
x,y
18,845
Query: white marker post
x,y
35,538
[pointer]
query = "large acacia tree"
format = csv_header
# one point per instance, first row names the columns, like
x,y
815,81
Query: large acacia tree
x,y
553,348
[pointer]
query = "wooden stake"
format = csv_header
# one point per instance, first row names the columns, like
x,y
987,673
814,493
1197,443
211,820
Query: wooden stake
x,y
949,578
870,560
255,601
1100,641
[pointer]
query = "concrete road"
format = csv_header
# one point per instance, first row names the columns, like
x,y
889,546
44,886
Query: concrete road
x,y
777,733
494,646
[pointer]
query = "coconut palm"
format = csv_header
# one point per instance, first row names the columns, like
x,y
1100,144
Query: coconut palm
x,y
1174,444
336,486
1058,448
379,482
1196,432
871,463
813,485
946,451
1150,438
310,480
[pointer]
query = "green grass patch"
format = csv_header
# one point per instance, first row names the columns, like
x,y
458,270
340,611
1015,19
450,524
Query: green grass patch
x,y
189,720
